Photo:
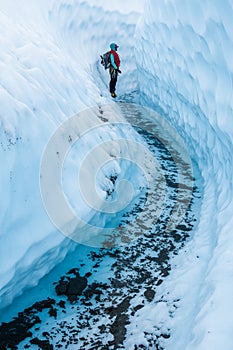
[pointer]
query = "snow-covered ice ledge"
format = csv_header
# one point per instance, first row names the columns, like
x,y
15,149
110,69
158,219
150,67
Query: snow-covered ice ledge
x,y
184,56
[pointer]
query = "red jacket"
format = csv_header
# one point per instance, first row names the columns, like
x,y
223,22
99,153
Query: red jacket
x,y
116,58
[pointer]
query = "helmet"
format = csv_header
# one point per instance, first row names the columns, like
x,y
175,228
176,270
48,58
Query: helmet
x,y
113,46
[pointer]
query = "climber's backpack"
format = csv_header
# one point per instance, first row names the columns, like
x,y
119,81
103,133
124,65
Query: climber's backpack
x,y
105,59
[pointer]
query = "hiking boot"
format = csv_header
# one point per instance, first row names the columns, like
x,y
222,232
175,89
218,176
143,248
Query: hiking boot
x,y
113,94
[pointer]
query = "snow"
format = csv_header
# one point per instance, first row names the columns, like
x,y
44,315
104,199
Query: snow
x,y
179,55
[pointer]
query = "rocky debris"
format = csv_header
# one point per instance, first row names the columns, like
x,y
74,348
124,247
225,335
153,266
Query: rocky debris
x,y
72,287
42,344
118,327
12,333
94,290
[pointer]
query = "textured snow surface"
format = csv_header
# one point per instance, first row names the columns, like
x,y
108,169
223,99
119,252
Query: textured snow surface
x,y
185,52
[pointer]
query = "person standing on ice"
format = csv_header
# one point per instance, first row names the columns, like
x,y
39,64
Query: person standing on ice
x,y
114,68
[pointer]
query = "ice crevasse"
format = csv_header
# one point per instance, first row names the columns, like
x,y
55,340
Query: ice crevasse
x,y
181,60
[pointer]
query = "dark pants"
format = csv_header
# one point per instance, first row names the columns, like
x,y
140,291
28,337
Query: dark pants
x,y
113,79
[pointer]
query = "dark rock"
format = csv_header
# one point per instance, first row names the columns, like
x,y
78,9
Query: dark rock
x,y
88,274
61,287
62,304
42,344
165,335
136,308
117,283
76,286
74,271
43,304
72,287
45,334
53,312
102,328
149,294
159,282
118,327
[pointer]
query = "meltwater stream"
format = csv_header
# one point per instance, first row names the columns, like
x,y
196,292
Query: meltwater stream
x,y
98,290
